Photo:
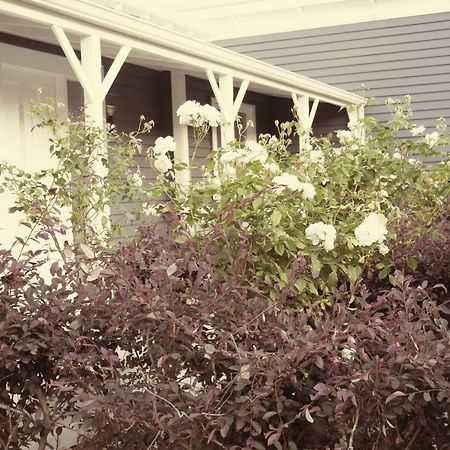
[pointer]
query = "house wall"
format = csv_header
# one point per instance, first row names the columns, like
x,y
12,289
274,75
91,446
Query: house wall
x,y
392,58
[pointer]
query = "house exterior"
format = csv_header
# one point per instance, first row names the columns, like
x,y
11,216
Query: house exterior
x,y
392,57
84,53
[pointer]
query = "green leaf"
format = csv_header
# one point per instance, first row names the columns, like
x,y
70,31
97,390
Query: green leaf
x,y
316,265
300,284
383,273
276,218
412,262
312,288
332,279
279,249
353,273
257,203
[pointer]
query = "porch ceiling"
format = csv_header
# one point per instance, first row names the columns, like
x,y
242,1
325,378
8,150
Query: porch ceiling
x,y
156,47
223,19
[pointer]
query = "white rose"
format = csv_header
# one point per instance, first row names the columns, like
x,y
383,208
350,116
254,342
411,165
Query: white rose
x,y
164,145
397,155
432,139
372,229
138,180
189,112
286,180
272,167
229,156
344,136
321,233
210,115
417,131
316,156
256,152
308,191
162,163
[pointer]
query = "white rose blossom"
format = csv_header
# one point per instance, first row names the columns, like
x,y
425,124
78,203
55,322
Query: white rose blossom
x,y
272,167
308,191
383,249
417,131
137,179
164,145
188,112
316,156
321,233
397,155
286,180
344,136
230,156
256,152
371,230
162,163
194,114
153,210
432,139
211,115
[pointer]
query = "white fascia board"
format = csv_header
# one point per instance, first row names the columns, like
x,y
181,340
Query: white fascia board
x,y
87,19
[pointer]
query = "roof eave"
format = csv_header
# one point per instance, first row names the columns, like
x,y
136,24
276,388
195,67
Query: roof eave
x,y
121,29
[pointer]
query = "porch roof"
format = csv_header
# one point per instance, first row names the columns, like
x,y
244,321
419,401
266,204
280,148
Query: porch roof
x,y
154,44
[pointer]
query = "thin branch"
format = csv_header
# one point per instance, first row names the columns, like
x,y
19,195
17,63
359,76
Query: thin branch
x,y
17,411
355,425
46,414
413,438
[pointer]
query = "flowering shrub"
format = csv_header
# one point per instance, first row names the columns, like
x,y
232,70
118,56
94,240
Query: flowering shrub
x,y
195,335
337,205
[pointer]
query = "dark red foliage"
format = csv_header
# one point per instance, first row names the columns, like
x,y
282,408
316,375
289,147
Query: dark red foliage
x,y
430,250
158,351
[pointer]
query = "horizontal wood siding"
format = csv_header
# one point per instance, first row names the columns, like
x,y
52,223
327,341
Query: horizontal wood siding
x,y
393,58
140,91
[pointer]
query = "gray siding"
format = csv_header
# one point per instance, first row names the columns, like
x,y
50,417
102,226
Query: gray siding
x,y
393,58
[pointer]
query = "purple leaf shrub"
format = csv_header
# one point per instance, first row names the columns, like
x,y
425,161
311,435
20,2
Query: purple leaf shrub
x,y
147,347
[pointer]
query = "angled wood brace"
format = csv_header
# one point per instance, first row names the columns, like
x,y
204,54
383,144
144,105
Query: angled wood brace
x,y
228,104
88,71
305,116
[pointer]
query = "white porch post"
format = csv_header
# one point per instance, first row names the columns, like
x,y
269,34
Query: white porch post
x,y
227,94
89,74
305,117
356,113
229,106
91,62
180,132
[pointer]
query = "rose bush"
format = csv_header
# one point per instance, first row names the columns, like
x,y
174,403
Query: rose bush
x,y
337,204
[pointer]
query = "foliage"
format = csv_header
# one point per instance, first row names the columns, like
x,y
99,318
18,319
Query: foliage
x,y
318,203
287,301
87,178
150,347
